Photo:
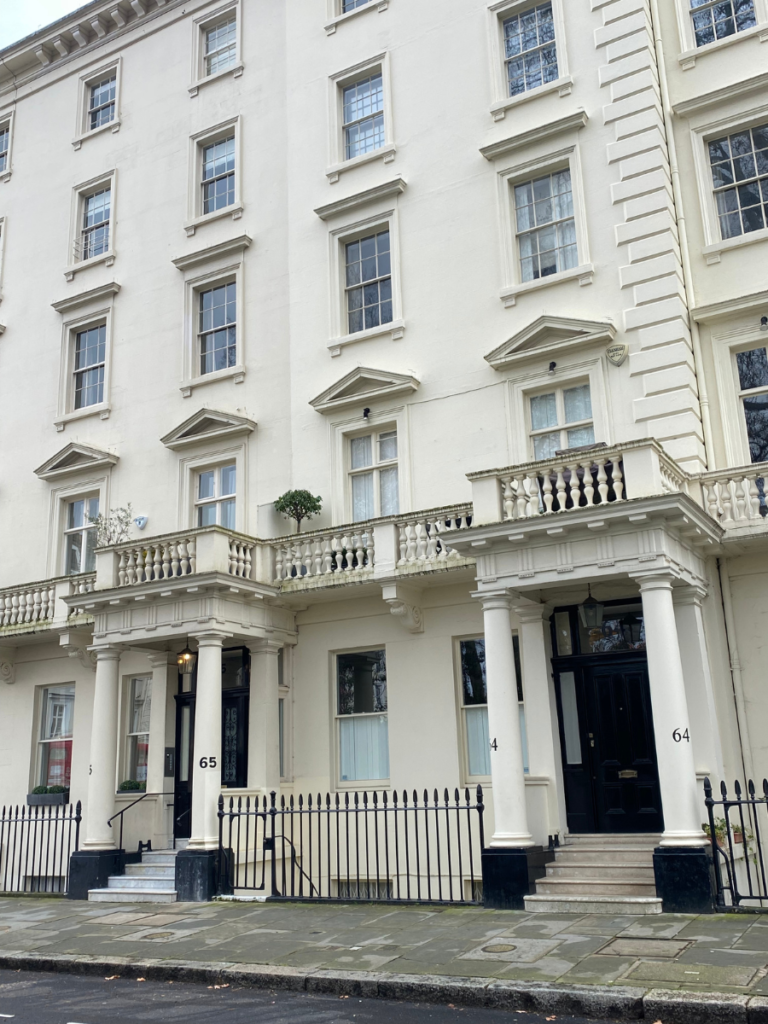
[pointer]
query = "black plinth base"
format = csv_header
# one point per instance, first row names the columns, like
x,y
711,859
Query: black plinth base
x,y
90,869
510,874
197,875
685,879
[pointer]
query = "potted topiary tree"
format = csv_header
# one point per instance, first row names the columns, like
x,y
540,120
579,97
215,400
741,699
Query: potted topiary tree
x,y
298,505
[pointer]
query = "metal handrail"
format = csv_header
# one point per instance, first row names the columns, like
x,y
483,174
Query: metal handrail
x,y
132,804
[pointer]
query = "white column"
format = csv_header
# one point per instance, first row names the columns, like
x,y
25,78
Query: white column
x,y
206,770
705,734
681,801
103,760
162,664
264,718
507,778
540,707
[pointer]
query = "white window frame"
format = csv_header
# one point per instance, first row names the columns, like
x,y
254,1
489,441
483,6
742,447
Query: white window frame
x,y
197,143
6,121
379,419
200,25
339,238
690,53
3,233
37,756
461,718
194,286
337,16
714,245
565,158
217,497
337,161
86,81
79,195
343,785
728,339
67,531
84,486
189,470
539,380
557,388
501,101
128,681
375,469
70,329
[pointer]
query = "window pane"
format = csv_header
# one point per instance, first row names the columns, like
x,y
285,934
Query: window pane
x,y
388,446
756,413
74,552
362,682
228,480
570,718
362,497
206,515
478,742
473,679
76,517
580,436
543,411
56,763
228,515
206,484
545,445
390,498
563,633
58,712
753,369
281,734
90,551
141,703
364,752
361,452
138,753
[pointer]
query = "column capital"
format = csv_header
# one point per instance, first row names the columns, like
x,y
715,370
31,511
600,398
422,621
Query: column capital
x,y
264,646
654,581
211,639
107,653
491,599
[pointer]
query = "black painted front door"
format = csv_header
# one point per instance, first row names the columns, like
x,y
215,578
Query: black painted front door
x,y
234,740
609,751
185,752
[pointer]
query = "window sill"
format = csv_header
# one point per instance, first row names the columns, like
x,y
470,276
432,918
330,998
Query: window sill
x,y
107,258
381,785
235,71
237,373
235,212
564,86
372,5
6,175
102,410
80,139
386,153
713,253
584,274
688,58
396,328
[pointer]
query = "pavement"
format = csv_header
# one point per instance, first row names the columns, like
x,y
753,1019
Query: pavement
x,y
34,998
670,968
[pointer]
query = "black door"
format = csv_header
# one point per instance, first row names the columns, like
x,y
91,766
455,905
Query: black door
x,y
609,751
185,736
234,740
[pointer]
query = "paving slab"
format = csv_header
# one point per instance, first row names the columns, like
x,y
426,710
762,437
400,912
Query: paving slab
x,y
691,974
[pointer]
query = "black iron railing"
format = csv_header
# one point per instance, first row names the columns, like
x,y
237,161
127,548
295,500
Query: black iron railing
x,y
35,847
736,834
355,846
120,814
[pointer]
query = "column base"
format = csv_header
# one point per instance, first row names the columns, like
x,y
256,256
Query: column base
x,y
197,875
90,869
510,874
685,879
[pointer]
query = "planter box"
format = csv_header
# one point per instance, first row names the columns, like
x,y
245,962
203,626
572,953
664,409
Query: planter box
x,y
47,799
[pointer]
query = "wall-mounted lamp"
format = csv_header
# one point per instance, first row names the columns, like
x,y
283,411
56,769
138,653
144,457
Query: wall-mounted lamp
x,y
552,367
764,323
591,612
186,660
366,413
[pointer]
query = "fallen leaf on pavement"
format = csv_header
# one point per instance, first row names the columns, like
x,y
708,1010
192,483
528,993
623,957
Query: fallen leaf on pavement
x,y
112,977
141,979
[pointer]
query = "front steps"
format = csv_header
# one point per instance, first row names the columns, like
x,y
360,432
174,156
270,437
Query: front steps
x,y
599,874
151,881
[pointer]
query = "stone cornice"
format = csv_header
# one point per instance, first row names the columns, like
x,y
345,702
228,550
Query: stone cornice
x,y
212,252
727,308
572,122
757,83
370,195
103,291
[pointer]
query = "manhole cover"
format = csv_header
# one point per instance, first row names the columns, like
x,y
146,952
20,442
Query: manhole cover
x,y
502,947
159,935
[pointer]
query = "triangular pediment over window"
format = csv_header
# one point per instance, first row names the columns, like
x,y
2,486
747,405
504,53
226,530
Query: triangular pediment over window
x,y
363,385
549,336
74,459
207,425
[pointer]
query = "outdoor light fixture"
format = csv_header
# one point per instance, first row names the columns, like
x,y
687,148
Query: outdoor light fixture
x,y
764,323
591,612
552,367
186,660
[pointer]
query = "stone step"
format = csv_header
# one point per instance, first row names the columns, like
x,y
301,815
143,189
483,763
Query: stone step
x,y
140,882
616,905
614,837
630,872
153,868
132,896
586,886
165,857
599,855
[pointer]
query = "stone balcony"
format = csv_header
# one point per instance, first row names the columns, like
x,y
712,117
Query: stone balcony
x,y
391,554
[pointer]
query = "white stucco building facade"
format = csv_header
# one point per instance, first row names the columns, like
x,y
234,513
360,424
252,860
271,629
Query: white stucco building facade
x,y
489,281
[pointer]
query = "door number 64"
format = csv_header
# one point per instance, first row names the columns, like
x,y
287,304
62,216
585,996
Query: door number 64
x,y
207,762
678,736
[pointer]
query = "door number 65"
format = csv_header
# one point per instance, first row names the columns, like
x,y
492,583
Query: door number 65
x,y
207,762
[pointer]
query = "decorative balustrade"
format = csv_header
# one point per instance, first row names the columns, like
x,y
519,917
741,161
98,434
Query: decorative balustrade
x,y
241,557
555,486
736,497
35,604
425,540
347,551
161,559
